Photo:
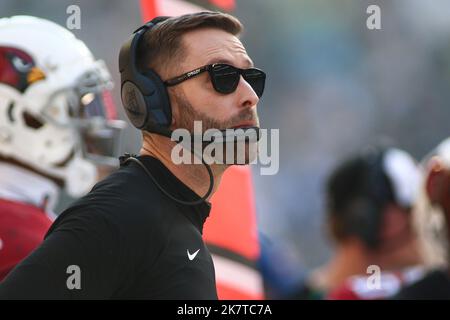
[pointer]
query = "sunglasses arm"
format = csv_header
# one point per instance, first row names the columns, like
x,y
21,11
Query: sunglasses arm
x,y
185,76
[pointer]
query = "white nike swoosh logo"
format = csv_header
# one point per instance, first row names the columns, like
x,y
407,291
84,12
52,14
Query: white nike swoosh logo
x,y
192,256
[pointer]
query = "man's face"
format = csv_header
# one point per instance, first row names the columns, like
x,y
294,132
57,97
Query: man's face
x,y
196,99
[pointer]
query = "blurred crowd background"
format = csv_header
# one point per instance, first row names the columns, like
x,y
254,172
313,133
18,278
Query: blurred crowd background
x,y
333,87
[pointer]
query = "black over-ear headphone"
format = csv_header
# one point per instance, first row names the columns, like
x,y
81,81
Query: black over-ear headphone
x,y
144,95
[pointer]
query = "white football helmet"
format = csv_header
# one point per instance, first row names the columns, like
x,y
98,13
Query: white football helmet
x,y
55,116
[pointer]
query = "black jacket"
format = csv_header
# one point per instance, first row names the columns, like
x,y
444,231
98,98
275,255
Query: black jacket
x,y
123,240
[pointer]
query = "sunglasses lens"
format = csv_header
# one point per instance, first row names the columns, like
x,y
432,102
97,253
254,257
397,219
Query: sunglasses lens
x,y
257,79
225,78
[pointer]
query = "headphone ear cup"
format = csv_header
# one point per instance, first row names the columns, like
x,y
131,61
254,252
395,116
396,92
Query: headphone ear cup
x,y
371,232
134,104
147,103
364,221
159,111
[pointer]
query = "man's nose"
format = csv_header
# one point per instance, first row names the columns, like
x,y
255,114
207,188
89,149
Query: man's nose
x,y
248,97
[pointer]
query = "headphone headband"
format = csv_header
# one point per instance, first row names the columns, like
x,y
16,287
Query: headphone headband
x,y
150,24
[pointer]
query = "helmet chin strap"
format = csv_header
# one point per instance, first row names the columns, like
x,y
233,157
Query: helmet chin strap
x,y
227,136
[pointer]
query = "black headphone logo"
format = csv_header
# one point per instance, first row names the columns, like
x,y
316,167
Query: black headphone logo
x,y
133,105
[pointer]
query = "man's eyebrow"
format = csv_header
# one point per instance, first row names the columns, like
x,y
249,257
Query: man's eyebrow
x,y
248,62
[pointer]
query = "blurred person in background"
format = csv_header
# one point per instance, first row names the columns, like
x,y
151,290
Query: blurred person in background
x,y
283,276
56,128
432,221
369,199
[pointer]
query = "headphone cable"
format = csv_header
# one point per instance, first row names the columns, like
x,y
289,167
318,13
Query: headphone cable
x,y
127,157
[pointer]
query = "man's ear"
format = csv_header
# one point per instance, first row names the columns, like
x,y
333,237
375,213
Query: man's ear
x,y
435,181
173,123
438,188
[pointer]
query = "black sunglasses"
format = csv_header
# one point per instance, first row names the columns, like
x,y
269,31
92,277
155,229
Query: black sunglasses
x,y
225,78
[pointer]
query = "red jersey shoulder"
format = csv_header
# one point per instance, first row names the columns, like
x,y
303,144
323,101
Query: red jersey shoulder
x,y
22,229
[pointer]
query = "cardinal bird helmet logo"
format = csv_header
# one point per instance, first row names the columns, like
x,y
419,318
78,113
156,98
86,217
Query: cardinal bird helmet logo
x,y
18,69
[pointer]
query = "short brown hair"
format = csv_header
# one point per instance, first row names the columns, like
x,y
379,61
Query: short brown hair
x,y
162,44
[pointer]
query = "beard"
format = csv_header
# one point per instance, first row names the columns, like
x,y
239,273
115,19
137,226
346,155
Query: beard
x,y
239,153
